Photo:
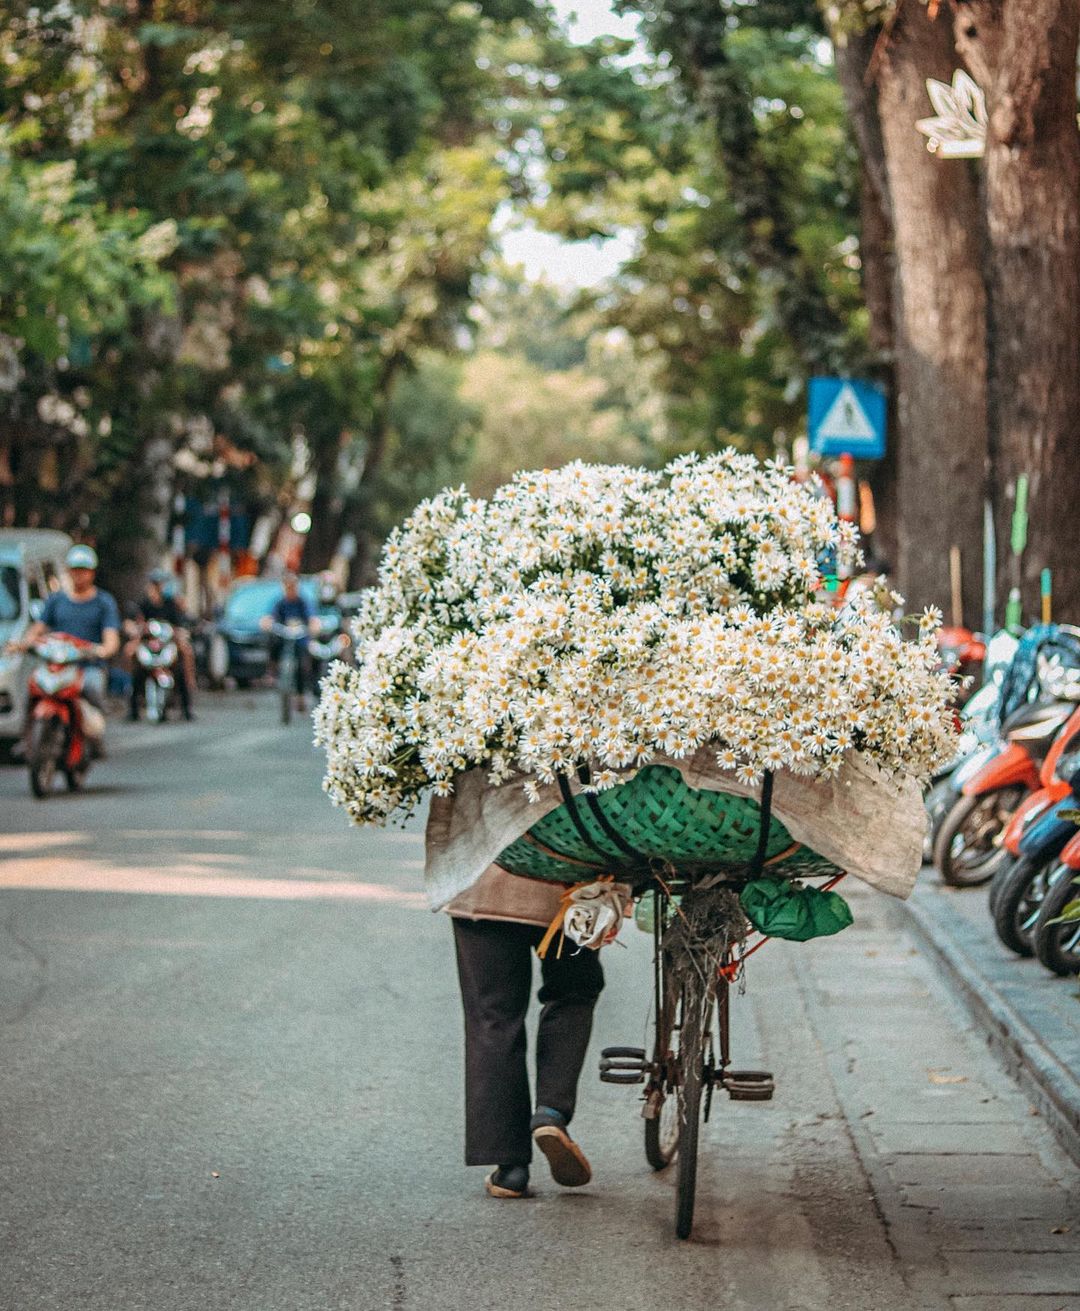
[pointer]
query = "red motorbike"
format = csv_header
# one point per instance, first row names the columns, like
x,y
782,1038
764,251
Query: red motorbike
x,y
65,729
968,848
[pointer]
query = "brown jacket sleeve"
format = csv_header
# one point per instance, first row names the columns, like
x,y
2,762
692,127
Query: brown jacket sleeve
x,y
497,895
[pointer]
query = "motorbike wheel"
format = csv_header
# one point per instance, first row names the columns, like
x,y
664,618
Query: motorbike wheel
x,y
1001,877
965,853
938,802
286,705
75,778
1019,902
46,741
157,702
1058,945
217,661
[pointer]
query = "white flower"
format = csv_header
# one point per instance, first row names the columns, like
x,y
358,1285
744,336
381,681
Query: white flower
x,y
598,615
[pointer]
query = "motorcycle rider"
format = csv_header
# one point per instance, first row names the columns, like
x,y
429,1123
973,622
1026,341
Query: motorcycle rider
x,y
81,609
157,604
292,606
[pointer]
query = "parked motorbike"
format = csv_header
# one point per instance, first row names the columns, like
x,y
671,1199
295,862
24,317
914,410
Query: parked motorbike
x,y
156,659
969,809
331,642
967,850
1057,940
1033,843
977,742
66,731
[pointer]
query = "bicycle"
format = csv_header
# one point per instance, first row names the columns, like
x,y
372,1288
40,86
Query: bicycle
x,y
700,943
691,1051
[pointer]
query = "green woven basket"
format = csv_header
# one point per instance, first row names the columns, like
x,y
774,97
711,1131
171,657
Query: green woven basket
x,y
662,819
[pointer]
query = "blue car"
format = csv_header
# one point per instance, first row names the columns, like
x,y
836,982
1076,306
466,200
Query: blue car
x,y
239,648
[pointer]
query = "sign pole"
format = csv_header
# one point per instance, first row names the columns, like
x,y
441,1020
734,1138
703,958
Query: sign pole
x,y
989,569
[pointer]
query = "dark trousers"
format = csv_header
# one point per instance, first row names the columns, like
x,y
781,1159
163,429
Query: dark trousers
x,y
494,960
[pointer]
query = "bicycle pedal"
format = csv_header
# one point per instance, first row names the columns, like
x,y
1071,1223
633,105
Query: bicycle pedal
x,y
622,1076
623,1065
749,1085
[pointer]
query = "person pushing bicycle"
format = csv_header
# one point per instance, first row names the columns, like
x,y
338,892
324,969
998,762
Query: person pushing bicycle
x,y
498,924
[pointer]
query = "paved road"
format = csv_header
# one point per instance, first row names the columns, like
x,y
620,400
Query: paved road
x,y
231,1078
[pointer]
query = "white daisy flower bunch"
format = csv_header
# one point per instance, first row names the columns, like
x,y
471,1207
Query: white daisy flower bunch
x,y
600,615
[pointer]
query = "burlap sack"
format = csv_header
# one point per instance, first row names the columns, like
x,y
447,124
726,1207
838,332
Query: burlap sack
x,y
862,820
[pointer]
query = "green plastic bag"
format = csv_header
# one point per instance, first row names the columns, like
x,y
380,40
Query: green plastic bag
x,y
645,911
780,908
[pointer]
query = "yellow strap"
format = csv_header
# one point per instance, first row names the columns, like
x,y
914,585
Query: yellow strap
x,y
555,855
564,905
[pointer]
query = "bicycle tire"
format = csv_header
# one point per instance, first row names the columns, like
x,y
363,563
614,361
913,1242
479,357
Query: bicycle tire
x,y
693,1034
979,866
661,1144
1017,902
286,680
1057,946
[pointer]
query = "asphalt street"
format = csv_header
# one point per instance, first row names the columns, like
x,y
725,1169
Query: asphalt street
x,y
231,1078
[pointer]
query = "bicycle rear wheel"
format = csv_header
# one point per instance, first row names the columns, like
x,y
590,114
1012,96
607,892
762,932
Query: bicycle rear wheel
x,y
695,1022
662,1126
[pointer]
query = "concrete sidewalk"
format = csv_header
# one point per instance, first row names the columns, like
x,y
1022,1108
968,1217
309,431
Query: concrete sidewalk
x,y
1030,1017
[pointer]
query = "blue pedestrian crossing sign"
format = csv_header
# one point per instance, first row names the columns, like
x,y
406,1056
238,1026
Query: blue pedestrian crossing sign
x,y
846,417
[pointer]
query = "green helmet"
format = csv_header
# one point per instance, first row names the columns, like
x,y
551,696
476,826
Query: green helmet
x,y
81,557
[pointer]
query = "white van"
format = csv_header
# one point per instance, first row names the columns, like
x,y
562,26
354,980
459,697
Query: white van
x,y
31,564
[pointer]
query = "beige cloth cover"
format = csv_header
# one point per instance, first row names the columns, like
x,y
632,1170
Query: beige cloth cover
x,y
863,820
497,895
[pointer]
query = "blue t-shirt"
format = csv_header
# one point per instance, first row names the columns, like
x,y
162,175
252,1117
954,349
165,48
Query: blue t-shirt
x,y
297,608
85,619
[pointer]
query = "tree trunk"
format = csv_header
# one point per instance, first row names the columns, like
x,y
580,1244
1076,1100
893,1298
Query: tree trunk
x,y
1023,52
939,321
853,55
143,525
357,516
327,505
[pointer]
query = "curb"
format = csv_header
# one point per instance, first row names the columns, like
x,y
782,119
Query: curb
x,y
1053,1087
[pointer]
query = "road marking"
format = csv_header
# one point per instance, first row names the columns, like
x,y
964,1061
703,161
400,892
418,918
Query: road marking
x,y
203,834
238,743
18,842
156,735
46,876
